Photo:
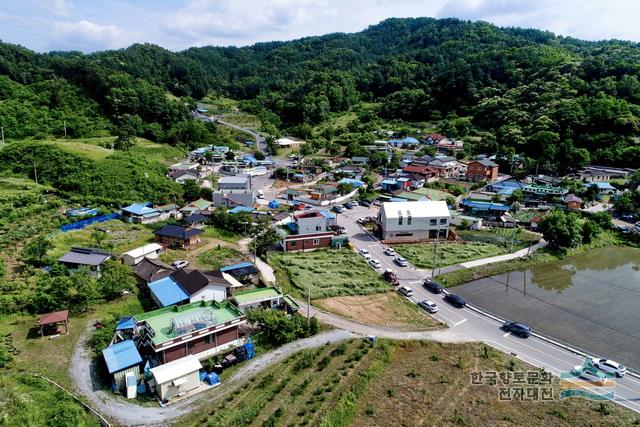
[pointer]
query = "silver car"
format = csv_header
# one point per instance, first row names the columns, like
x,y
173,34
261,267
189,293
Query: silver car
x,y
609,366
429,306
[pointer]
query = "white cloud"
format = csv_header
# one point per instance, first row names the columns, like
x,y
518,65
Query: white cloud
x,y
58,7
86,35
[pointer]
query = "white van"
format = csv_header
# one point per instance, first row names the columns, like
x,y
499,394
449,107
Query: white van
x,y
260,194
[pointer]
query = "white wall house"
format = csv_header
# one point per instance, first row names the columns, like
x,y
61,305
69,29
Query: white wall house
x,y
210,292
412,221
176,378
135,256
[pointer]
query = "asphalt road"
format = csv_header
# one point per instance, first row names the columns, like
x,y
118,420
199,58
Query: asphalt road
x,y
472,325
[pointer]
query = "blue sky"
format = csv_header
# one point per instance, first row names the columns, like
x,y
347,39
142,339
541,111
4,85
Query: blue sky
x,y
90,25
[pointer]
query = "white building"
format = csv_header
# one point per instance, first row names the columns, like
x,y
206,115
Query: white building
x,y
414,221
175,379
135,256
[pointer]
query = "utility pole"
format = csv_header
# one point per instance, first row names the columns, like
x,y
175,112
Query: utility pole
x,y
308,306
2,132
64,123
435,251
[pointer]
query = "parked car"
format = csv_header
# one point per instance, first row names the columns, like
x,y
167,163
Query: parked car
x,y
627,217
338,209
360,221
401,261
342,230
375,263
348,205
389,251
180,264
455,300
609,366
377,203
517,328
365,253
260,194
406,291
433,286
365,203
428,305
588,374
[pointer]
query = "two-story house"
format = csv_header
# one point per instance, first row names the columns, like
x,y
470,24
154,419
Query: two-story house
x,y
414,221
482,170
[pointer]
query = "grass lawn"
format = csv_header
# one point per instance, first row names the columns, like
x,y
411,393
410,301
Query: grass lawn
x,y
327,273
387,309
421,254
122,237
217,233
393,383
215,258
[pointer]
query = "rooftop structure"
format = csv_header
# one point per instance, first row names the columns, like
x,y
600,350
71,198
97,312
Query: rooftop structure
x,y
121,356
85,256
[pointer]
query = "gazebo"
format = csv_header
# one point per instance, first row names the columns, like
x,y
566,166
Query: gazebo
x,y
54,318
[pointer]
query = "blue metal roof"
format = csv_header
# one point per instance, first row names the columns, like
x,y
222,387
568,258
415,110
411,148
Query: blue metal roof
x,y
327,214
167,292
600,185
139,209
121,356
249,159
485,205
355,182
126,323
389,182
240,208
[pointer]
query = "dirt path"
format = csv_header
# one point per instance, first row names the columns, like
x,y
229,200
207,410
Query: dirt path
x,y
83,372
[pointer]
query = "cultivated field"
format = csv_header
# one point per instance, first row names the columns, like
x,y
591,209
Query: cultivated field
x,y
387,309
394,383
327,273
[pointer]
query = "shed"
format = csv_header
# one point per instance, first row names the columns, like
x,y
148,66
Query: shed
x,y
122,359
135,256
51,320
176,378
166,292
240,270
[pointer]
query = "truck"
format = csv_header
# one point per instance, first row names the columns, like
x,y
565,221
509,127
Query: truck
x,y
390,276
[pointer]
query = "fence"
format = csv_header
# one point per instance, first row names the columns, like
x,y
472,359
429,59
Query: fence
x,y
79,225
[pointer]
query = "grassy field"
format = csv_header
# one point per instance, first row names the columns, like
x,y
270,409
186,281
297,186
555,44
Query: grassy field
x,y
327,273
122,237
394,383
217,233
387,309
218,257
33,400
421,254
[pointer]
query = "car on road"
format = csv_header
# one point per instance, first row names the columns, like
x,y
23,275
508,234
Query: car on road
x,y
609,366
389,251
390,276
428,305
455,300
260,194
517,328
342,230
180,264
375,263
377,203
401,261
433,286
406,291
338,209
627,217
348,205
589,374
365,203
365,253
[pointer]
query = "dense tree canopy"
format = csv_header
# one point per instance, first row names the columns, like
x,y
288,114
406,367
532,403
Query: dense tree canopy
x,y
558,101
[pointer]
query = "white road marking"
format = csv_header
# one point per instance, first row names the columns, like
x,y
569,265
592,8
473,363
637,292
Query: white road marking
x,y
460,322
507,334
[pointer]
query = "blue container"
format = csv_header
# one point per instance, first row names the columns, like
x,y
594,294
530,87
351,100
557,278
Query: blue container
x,y
212,378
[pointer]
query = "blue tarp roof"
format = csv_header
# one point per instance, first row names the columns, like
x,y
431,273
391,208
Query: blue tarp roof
x,y
485,205
327,214
167,292
389,182
397,199
139,209
355,182
240,208
249,159
601,185
126,323
121,356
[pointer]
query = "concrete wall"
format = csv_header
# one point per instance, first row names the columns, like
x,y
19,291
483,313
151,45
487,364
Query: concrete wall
x,y
167,391
421,228
210,293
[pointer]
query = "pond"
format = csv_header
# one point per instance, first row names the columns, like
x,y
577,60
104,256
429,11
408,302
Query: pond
x,y
591,301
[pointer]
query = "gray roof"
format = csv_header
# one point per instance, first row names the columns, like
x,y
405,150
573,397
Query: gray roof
x,y
85,256
486,162
236,179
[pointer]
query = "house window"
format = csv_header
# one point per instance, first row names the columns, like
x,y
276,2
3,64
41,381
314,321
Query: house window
x,y
293,244
433,222
443,221
399,218
318,228
316,242
207,339
408,218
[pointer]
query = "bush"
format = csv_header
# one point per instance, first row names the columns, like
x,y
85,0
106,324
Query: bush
x,y
279,328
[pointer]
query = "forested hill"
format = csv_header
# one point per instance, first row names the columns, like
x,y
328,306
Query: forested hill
x,y
560,101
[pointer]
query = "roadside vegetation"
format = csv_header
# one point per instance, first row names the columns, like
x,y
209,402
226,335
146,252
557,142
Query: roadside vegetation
x,y
385,309
326,273
399,382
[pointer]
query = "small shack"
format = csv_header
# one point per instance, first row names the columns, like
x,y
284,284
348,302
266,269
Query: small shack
x,y
122,360
49,322
135,256
175,379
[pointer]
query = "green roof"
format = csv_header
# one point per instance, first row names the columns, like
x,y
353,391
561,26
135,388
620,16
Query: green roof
x,y
208,313
410,196
201,204
290,302
256,295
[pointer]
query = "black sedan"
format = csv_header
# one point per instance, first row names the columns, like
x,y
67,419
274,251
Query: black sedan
x,y
365,203
455,300
517,328
433,286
